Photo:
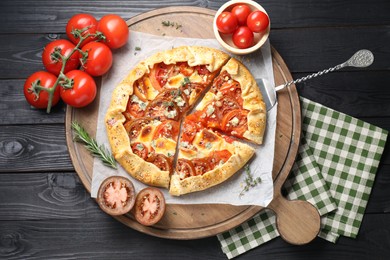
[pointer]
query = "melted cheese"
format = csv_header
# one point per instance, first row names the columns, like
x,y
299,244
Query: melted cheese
x,y
207,99
151,92
164,146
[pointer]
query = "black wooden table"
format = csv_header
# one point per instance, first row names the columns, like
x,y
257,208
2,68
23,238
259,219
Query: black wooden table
x,y
45,212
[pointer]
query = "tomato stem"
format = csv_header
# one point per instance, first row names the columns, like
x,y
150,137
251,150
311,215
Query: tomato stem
x,y
57,56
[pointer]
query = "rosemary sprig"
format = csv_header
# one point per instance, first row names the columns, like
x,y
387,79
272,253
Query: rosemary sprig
x,y
250,182
99,151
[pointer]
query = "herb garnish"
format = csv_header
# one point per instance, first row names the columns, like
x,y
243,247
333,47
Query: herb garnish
x,y
250,182
172,24
98,151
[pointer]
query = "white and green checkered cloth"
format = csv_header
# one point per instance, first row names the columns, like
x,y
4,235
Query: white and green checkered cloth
x,y
335,171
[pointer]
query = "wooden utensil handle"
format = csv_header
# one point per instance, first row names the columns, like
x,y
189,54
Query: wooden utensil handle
x,y
297,221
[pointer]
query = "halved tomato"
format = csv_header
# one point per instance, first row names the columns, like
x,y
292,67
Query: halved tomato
x,y
235,122
149,206
161,161
185,168
116,195
168,129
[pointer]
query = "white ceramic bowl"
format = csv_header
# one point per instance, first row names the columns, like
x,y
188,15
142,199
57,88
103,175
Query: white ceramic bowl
x,y
226,39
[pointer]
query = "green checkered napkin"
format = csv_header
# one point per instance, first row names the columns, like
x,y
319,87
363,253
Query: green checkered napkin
x,y
335,170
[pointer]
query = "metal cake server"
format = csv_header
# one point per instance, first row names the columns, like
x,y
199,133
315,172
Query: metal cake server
x,y
361,59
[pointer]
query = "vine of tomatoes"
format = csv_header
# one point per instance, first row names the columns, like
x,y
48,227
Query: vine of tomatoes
x,y
72,63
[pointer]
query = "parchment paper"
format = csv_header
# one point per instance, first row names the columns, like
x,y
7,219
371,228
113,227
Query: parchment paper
x,y
143,45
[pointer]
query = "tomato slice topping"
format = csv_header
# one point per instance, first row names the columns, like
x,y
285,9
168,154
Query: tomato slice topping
x,y
185,168
163,110
168,129
161,161
202,165
140,149
228,87
134,127
185,69
189,130
149,206
220,157
235,122
176,96
160,73
140,89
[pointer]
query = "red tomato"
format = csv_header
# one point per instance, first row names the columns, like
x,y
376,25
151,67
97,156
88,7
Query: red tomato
x,y
116,195
235,122
40,98
161,161
257,21
149,206
114,29
140,149
188,131
99,59
226,22
185,168
243,37
85,23
241,12
134,128
83,91
54,64
168,129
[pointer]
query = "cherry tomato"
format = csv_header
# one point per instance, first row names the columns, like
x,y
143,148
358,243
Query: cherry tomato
x,y
241,12
86,23
54,64
243,37
116,195
83,91
40,98
257,21
226,22
149,206
99,59
114,29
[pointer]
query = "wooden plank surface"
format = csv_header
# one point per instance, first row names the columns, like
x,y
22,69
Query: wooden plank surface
x,y
42,202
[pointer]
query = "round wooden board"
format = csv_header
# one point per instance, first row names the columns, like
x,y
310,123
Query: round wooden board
x,y
196,221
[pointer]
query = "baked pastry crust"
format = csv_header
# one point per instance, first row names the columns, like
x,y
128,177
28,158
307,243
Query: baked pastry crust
x,y
119,140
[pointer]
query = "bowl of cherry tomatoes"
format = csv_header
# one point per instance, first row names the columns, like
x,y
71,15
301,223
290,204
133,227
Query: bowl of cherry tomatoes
x,y
241,26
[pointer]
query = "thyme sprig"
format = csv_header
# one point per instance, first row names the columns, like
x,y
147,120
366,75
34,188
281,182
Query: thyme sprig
x,y
250,182
99,151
